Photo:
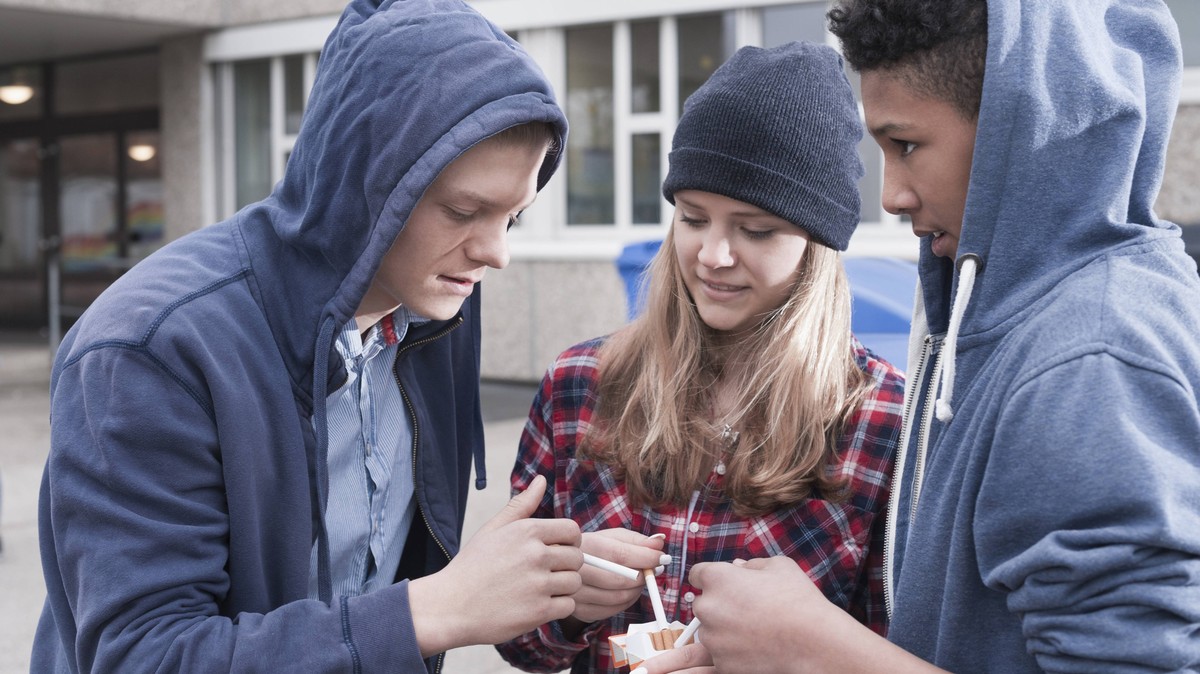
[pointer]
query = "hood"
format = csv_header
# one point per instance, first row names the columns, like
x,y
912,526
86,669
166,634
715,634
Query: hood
x,y
1078,101
402,88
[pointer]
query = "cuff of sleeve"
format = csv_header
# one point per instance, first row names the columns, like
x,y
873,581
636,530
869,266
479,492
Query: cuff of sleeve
x,y
553,637
377,628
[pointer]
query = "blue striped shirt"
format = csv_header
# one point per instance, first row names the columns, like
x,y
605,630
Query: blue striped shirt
x,y
370,507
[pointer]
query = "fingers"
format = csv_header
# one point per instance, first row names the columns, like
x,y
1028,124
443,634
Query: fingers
x,y
519,507
702,573
626,548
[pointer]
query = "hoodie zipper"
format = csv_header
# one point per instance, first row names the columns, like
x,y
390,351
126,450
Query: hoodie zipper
x,y
412,415
890,527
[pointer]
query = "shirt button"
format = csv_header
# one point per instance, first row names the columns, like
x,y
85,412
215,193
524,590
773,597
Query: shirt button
x,y
689,597
694,527
721,468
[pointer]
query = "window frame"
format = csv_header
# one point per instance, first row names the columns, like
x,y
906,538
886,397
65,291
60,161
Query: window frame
x,y
540,26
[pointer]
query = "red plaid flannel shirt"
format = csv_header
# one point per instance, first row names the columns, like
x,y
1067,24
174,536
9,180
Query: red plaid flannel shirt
x,y
839,545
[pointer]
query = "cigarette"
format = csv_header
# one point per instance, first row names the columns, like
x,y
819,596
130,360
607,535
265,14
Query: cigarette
x,y
687,633
660,616
600,563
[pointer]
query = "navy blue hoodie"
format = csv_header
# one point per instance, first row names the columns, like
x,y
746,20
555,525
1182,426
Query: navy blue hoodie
x,y
1056,522
185,485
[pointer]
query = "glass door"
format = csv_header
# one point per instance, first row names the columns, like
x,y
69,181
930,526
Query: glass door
x,y
92,250
22,285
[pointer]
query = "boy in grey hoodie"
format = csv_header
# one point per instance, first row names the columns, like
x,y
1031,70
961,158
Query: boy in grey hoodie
x,y
1046,507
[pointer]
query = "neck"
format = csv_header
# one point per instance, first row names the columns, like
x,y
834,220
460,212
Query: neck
x,y
366,321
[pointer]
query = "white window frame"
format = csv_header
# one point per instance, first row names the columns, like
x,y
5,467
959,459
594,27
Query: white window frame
x,y
540,25
275,41
1189,94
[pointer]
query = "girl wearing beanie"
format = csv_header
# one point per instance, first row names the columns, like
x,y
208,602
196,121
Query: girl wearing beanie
x,y
737,417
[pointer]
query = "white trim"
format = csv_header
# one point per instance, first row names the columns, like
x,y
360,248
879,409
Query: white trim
x,y
269,39
1189,93
548,48
228,141
521,14
870,240
668,72
275,103
880,240
622,86
747,28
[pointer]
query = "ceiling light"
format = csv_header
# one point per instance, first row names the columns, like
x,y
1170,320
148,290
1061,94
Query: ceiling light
x,y
16,94
142,152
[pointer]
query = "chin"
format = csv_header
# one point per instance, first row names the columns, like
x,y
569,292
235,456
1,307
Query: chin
x,y
440,311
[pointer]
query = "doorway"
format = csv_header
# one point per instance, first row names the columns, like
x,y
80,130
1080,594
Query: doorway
x,y
81,196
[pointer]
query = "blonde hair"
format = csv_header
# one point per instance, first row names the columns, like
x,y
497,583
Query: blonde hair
x,y
795,395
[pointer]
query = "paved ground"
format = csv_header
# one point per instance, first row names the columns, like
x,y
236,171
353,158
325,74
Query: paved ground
x,y
24,418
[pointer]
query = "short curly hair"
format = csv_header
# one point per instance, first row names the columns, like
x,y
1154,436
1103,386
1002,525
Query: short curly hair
x,y
938,46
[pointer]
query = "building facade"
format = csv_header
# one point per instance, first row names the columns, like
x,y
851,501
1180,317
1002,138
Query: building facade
x,y
127,123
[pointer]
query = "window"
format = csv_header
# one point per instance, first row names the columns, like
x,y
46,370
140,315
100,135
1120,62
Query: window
x,y
589,107
258,104
621,81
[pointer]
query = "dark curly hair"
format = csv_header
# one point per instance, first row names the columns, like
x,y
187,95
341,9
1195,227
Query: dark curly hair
x,y
939,47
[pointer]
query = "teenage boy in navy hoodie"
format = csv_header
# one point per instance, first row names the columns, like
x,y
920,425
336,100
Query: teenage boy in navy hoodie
x,y
262,435
1046,509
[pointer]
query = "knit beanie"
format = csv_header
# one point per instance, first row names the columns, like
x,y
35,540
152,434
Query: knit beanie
x,y
777,128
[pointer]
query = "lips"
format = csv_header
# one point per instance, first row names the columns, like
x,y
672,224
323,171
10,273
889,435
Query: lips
x,y
721,287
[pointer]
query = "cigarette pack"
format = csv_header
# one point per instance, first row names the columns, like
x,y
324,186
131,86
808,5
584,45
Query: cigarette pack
x,y
642,642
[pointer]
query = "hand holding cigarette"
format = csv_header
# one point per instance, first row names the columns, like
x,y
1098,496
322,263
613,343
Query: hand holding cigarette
x,y
612,572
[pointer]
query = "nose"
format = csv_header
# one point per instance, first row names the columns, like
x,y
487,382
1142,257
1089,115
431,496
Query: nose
x,y
489,246
898,196
716,251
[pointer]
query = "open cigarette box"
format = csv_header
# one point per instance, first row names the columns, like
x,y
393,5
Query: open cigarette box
x,y
642,642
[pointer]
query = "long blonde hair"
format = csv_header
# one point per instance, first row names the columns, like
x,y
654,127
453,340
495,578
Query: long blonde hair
x,y
799,387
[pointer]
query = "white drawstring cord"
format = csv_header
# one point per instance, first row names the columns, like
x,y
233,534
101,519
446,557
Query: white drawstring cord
x,y
968,266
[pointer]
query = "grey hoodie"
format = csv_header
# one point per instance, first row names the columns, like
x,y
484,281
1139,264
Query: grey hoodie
x,y
1048,509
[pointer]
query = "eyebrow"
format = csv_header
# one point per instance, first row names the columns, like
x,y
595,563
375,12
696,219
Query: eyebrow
x,y
889,128
482,201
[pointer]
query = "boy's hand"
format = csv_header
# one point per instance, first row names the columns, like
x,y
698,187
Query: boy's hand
x,y
514,574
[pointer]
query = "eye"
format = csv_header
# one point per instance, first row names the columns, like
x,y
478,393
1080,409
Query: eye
x,y
905,146
457,215
690,221
514,220
758,234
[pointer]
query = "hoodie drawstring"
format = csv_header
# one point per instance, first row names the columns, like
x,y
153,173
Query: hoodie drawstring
x,y
968,265
320,421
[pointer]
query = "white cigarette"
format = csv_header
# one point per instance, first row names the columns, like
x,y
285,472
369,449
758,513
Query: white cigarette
x,y
600,563
660,616
687,633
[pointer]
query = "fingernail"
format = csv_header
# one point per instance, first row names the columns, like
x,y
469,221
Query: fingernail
x,y
664,537
639,670
664,559
658,571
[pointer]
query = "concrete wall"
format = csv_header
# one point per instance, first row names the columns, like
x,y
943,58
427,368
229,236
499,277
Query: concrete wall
x,y
1179,200
532,310
199,13
183,121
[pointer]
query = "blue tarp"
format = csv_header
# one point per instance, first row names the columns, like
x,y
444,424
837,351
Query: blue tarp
x,y
881,289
